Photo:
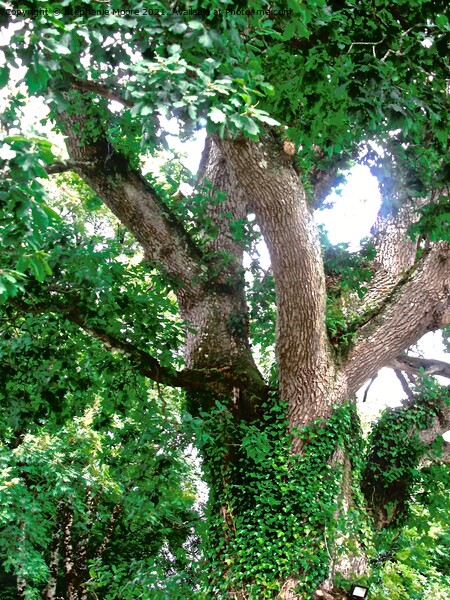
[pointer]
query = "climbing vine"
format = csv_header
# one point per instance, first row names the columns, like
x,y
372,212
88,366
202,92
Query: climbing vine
x,y
287,504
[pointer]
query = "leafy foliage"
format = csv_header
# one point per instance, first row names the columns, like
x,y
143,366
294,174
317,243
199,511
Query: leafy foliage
x,y
82,434
291,499
434,222
24,213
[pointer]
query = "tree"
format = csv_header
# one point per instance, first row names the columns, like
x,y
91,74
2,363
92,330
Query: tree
x,y
291,95
95,488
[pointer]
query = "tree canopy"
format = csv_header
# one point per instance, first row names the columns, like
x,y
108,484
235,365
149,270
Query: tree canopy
x,y
138,323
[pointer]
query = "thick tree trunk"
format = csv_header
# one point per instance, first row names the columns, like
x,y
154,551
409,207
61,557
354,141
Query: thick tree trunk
x,y
307,373
274,524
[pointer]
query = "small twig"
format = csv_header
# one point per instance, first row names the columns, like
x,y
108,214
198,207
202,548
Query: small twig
x,y
63,167
373,44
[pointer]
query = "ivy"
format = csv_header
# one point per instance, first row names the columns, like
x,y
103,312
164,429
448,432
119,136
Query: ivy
x,y
395,447
286,504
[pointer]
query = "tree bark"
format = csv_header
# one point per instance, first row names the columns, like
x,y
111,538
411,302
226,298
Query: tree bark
x,y
210,291
50,589
419,304
21,580
73,591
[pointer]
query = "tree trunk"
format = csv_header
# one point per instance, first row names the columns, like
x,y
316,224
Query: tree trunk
x,y
21,580
275,499
50,590
73,590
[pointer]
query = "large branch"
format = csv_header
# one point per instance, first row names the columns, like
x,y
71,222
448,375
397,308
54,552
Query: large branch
x,y
190,379
419,304
205,287
134,202
395,255
228,210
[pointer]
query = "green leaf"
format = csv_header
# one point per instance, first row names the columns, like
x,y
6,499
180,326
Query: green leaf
x,y
178,28
4,76
266,119
250,126
36,78
205,40
195,25
39,265
216,115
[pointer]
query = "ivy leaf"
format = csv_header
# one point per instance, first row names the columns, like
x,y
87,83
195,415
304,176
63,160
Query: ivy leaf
x,y
195,25
205,40
178,28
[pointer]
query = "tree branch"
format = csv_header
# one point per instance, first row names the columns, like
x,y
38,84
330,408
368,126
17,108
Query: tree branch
x,y
395,256
148,366
100,89
419,304
109,530
134,202
63,167
408,391
414,365
50,588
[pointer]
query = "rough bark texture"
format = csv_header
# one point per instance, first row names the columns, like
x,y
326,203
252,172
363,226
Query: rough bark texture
x,y
68,554
50,589
420,303
210,292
